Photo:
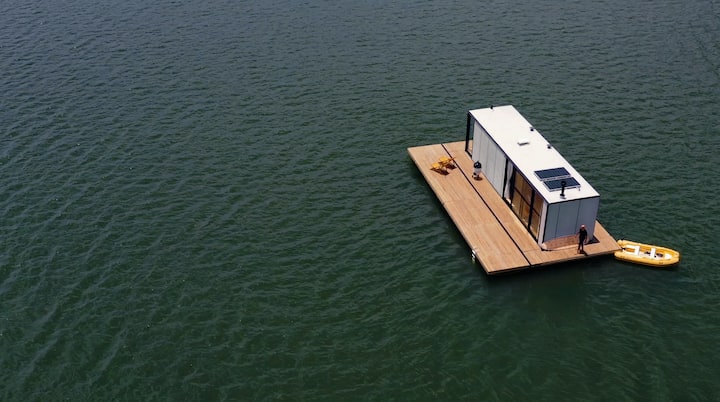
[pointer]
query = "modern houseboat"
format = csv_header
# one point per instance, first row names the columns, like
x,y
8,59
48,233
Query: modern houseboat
x,y
515,199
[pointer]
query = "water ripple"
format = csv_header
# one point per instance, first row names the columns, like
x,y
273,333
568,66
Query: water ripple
x,y
214,201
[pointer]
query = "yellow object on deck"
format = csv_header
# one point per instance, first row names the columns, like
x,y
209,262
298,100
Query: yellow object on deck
x,y
443,163
446,161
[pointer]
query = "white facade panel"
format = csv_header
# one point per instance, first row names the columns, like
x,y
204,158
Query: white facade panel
x,y
480,139
564,219
551,218
567,218
496,167
490,156
543,220
588,215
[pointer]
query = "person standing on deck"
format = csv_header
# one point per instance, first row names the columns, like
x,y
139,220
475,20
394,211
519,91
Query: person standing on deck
x,y
582,236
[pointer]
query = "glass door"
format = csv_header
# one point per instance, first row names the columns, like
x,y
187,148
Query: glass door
x,y
525,202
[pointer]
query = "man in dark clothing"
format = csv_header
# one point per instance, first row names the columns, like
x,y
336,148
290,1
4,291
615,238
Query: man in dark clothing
x,y
582,236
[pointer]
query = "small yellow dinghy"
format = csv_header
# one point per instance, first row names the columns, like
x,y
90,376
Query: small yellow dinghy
x,y
647,254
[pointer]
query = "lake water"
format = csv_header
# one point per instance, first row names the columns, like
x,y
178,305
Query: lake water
x,y
214,201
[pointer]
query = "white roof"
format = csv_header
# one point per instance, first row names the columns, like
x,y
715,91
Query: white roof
x,y
529,151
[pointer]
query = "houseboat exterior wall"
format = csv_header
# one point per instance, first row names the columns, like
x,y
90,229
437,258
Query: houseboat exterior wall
x,y
565,218
489,154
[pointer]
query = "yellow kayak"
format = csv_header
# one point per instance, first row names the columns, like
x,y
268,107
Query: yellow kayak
x,y
647,254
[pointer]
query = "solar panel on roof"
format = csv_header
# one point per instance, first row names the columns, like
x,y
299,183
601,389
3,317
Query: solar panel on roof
x,y
554,173
555,177
556,185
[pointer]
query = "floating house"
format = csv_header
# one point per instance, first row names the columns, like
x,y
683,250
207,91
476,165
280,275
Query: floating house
x,y
546,193
517,202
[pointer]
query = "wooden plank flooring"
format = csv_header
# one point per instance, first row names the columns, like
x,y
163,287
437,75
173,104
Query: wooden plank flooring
x,y
495,235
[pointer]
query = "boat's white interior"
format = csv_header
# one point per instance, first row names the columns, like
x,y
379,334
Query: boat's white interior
x,y
635,250
647,254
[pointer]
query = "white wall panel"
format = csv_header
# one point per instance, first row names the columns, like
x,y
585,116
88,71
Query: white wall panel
x,y
497,167
567,222
587,214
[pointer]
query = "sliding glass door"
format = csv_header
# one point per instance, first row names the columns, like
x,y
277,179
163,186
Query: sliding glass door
x,y
525,202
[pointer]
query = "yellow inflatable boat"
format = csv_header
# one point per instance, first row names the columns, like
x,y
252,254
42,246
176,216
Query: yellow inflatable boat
x,y
647,254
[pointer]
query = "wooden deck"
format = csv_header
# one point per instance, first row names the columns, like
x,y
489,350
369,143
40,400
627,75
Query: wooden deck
x,y
495,235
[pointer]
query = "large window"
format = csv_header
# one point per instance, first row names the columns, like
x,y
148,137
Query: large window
x,y
526,203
